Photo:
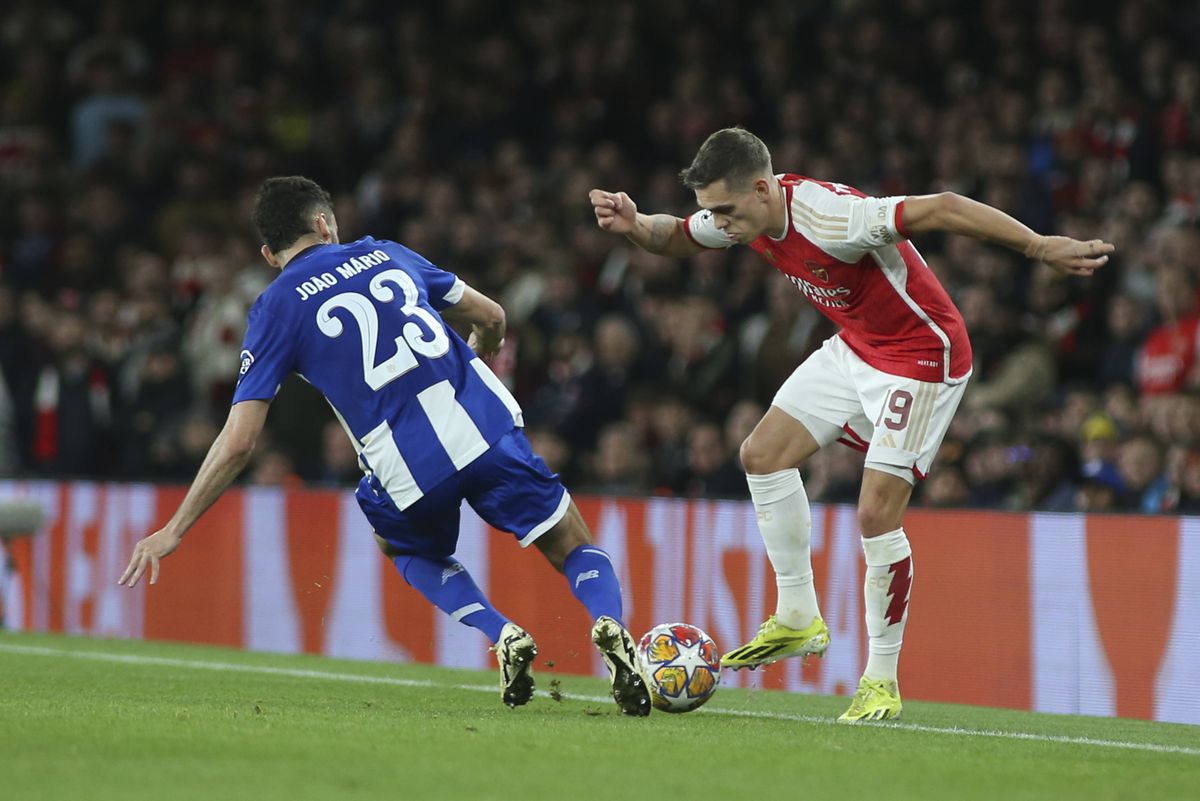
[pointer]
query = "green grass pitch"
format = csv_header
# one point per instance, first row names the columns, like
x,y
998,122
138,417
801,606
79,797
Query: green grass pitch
x,y
88,720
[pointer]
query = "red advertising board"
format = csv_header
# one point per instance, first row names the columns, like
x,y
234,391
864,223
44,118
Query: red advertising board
x,y
1061,613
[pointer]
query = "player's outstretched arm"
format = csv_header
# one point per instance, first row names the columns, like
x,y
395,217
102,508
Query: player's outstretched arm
x,y
484,315
661,234
962,215
226,458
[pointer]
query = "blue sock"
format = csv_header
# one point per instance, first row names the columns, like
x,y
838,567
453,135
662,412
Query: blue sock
x,y
449,587
589,571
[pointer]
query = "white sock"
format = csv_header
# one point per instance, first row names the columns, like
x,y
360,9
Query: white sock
x,y
886,591
785,522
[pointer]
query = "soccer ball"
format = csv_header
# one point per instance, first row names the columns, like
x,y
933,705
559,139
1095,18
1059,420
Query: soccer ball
x,y
682,665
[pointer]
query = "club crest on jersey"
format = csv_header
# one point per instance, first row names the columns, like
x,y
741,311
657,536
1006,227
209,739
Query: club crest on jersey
x,y
247,360
820,273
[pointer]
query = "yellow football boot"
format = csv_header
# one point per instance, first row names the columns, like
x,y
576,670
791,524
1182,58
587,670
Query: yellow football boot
x,y
876,699
776,641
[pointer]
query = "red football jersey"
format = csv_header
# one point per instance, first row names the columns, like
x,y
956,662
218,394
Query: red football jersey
x,y
848,254
1167,358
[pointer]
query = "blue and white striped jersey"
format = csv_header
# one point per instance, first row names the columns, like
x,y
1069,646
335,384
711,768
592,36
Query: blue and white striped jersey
x,y
359,322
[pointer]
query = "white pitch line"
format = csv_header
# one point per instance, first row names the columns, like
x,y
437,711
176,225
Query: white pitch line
x,y
102,656
1006,735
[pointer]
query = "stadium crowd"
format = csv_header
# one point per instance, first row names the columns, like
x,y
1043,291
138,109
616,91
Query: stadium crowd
x,y
134,134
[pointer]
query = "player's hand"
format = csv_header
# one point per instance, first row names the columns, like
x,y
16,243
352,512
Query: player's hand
x,y
615,211
485,346
1070,256
146,555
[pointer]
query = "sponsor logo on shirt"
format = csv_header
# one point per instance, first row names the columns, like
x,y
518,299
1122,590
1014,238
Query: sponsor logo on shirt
x,y
831,297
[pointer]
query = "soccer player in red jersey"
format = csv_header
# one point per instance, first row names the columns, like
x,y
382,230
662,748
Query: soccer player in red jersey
x,y
887,383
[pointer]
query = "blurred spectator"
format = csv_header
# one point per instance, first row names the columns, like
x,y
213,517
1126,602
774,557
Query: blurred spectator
x,y
712,472
946,489
1014,371
552,448
8,440
1097,452
1144,485
671,420
701,357
132,140
1121,406
1095,496
273,468
214,336
1189,497
834,475
31,256
774,342
742,419
605,382
162,397
1167,360
178,453
72,409
990,468
339,461
1126,330
561,395
109,100
619,466
1047,478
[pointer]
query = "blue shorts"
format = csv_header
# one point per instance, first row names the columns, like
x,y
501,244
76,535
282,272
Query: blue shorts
x,y
509,486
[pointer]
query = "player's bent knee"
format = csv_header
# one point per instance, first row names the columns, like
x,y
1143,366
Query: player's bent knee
x,y
882,503
756,461
874,520
879,513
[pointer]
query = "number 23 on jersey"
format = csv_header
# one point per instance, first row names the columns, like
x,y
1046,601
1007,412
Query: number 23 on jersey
x,y
412,339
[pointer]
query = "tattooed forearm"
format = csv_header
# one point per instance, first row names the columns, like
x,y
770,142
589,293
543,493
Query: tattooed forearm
x,y
662,235
661,228
655,233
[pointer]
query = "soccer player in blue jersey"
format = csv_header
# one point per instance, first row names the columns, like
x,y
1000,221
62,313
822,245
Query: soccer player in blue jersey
x,y
364,323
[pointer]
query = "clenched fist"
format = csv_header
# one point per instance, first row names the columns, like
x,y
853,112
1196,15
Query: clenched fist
x,y
615,211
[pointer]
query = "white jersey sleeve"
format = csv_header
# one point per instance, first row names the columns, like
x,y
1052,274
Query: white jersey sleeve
x,y
701,229
456,292
845,225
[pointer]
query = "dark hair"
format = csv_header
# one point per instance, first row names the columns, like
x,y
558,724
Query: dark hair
x,y
732,154
284,208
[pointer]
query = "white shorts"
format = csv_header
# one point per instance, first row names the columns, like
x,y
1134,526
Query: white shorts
x,y
898,422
